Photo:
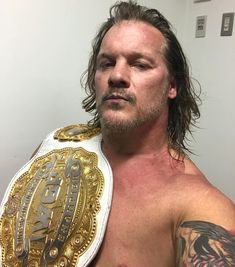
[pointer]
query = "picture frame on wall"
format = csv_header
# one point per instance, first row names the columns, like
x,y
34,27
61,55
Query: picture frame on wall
x,y
227,24
200,26
198,1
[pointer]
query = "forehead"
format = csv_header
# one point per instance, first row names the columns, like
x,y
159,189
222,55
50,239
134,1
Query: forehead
x,y
134,36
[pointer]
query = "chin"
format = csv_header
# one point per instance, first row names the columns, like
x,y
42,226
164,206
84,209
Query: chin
x,y
116,123
120,124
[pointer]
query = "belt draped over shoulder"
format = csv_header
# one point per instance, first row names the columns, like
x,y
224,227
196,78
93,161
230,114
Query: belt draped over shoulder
x,y
56,208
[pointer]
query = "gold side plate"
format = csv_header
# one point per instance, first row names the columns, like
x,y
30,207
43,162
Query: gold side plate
x,y
78,132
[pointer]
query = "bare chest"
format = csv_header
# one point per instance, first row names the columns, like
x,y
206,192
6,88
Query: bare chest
x,y
141,221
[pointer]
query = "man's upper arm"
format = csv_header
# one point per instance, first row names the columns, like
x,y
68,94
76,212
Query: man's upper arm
x,y
208,240
203,243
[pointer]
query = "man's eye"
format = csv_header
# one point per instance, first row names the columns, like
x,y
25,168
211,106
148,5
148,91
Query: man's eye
x,y
141,65
105,64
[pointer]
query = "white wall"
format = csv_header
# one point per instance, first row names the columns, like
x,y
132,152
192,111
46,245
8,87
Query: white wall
x,y
212,59
44,47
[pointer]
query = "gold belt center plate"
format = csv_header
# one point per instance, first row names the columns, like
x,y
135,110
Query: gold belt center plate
x,y
50,216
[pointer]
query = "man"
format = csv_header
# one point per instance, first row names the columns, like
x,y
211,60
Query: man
x,y
163,211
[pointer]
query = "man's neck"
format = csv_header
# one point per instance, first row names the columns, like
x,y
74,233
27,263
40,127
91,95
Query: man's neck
x,y
138,141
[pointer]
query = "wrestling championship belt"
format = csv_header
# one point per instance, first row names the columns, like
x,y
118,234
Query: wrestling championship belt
x,y
55,210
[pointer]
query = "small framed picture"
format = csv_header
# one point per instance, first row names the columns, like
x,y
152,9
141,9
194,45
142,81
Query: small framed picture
x,y
200,26
198,1
227,24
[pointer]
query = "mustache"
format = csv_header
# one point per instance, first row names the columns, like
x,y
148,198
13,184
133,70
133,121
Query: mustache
x,y
117,94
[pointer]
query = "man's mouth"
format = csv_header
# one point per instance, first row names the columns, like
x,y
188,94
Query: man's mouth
x,y
118,96
115,97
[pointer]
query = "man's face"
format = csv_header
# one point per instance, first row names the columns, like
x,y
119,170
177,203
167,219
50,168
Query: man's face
x,y
132,81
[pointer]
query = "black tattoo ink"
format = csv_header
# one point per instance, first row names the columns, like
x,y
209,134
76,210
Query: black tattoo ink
x,y
204,244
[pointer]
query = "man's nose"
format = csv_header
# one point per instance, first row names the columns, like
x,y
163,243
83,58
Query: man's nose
x,y
119,76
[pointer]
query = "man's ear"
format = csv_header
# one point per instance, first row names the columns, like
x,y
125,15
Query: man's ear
x,y
172,93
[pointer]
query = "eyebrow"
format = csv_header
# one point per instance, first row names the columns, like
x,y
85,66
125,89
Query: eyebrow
x,y
104,55
132,56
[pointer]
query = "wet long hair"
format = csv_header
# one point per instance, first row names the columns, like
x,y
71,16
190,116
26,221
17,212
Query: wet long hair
x,y
183,110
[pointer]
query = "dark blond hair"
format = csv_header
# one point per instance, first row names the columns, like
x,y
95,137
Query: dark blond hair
x,y
183,110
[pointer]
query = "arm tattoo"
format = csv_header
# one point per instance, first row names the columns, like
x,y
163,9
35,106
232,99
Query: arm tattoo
x,y
204,244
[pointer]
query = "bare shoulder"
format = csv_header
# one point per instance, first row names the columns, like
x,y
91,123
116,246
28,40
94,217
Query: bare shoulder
x,y
203,198
206,228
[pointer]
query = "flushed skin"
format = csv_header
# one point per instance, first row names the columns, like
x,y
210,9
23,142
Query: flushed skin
x,y
132,81
155,194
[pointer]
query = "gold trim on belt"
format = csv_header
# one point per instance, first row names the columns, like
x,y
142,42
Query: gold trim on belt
x,y
50,216
78,132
